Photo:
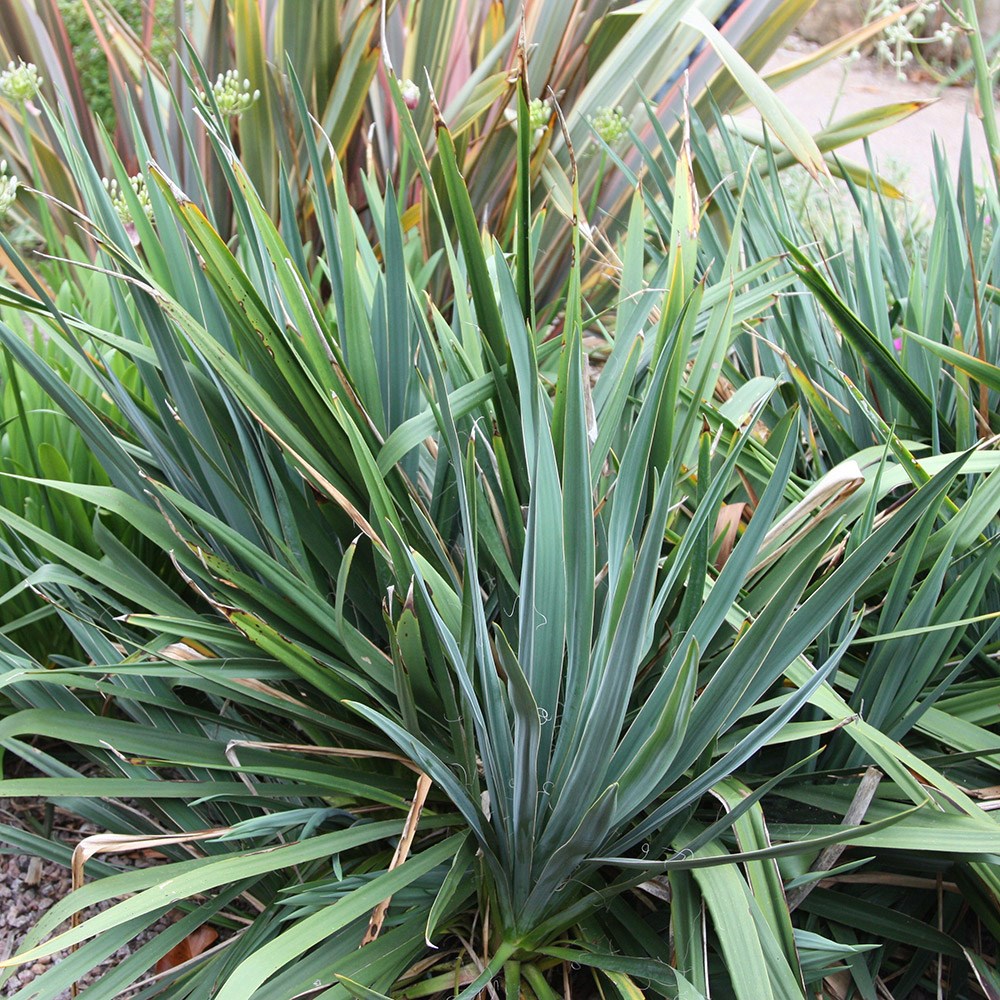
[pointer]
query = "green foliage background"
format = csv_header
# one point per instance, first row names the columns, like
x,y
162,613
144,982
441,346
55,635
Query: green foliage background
x,y
91,59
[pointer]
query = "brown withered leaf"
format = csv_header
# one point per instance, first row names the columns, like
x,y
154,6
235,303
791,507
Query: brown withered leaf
x,y
191,947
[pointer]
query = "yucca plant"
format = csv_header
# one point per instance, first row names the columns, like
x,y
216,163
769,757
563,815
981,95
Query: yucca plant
x,y
484,639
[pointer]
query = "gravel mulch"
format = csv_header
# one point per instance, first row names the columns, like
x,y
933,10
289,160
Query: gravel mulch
x,y
29,886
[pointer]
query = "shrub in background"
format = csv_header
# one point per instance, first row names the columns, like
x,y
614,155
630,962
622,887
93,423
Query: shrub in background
x,y
460,59
153,23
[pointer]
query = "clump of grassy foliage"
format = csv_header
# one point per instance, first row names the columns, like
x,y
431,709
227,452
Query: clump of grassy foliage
x,y
512,636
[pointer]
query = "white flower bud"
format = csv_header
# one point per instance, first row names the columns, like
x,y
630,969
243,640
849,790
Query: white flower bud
x,y
232,96
120,202
610,124
8,189
411,94
20,82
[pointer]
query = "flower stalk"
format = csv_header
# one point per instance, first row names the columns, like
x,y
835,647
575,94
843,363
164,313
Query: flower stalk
x,y
984,85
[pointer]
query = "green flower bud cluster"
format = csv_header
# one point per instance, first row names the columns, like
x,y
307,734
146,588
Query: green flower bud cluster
x,y
233,95
610,124
539,115
20,82
120,202
8,189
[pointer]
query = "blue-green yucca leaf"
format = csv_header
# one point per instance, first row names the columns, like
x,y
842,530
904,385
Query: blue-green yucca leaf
x,y
306,821
304,608
982,371
634,299
838,587
489,972
114,458
820,956
743,750
610,417
631,483
292,298
715,341
276,417
459,793
710,855
117,579
403,686
710,618
745,817
359,990
744,669
667,979
525,262
886,691
706,513
640,772
807,844
687,927
449,648
987,977
560,866
399,356
324,673
542,607
385,511
692,596
529,768
487,311
186,749
278,359
148,788
448,514
380,963
320,194
154,891
864,559
453,887
754,960
578,511
881,921
215,475
521,346
911,397
65,973
587,750
354,317
927,702
494,738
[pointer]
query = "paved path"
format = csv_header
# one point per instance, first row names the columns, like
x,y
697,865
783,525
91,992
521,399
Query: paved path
x,y
812,98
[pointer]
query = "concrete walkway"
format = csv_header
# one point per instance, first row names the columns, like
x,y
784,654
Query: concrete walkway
x,y
910,142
